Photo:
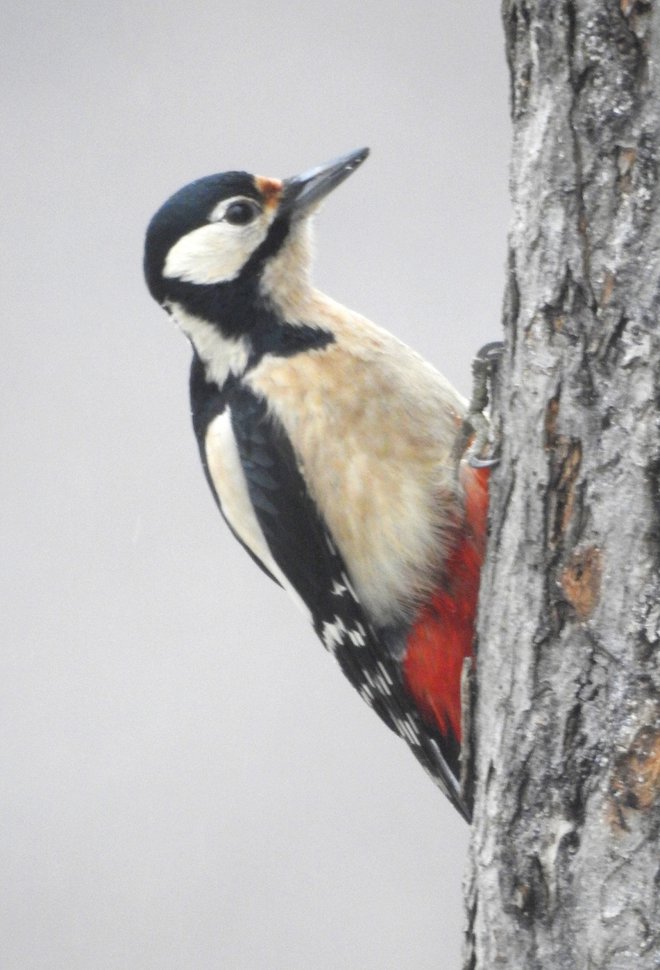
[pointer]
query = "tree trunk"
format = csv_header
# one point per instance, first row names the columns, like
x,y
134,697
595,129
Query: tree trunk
x,y
565,860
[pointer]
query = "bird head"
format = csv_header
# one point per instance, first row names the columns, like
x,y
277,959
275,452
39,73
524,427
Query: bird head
x,y
229,240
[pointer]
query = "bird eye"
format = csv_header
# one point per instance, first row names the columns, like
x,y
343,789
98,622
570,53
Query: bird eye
x,y
240,213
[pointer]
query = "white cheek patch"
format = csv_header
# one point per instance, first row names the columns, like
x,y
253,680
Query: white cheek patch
x,y
214,253
228,479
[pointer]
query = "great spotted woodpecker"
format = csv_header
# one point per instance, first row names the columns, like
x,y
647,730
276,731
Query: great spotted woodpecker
x,y
330,448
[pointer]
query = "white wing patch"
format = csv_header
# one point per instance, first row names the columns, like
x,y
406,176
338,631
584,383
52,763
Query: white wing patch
x,y
231,488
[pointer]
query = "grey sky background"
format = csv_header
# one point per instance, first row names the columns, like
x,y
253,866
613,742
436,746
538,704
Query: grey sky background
x,y
187,781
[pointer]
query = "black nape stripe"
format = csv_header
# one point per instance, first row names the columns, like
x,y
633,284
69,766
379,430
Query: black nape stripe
x,y
286,340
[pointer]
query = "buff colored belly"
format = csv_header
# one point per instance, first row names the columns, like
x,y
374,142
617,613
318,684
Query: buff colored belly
x,y
377,461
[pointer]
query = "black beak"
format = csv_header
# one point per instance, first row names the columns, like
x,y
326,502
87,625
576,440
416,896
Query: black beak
x,y
302,191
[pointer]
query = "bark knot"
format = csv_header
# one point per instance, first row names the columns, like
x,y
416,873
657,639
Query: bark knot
x,y
580,580
635,783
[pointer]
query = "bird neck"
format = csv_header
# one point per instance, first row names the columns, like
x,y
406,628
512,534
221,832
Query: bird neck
x,y
232,336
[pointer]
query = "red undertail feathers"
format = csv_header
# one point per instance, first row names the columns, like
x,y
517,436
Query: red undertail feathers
x,y
443,633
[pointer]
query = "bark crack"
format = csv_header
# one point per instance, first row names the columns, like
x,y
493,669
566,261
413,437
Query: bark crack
x,y
577,81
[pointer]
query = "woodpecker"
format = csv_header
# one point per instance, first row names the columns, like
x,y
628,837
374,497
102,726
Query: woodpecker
x,y
330,448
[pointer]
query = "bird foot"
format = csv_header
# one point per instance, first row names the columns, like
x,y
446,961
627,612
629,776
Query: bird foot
x,y
476,425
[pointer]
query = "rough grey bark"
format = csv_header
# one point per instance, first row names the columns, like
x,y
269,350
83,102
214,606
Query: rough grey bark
x,y
565,863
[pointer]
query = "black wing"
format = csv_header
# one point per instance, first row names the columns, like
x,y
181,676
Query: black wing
x,y
303,549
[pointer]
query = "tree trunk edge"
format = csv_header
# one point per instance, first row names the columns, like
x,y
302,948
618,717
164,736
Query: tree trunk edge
x,y
563,869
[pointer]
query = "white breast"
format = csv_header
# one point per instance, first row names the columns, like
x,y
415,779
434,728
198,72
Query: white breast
x,y
231,488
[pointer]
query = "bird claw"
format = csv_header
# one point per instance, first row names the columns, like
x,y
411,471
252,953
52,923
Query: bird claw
x,y
474,462
476,425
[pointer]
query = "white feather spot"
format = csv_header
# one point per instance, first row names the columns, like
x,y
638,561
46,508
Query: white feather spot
x,y
379,683
333,634
385,674
407,730
328,540
447,781
366,695
357,635
349,587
